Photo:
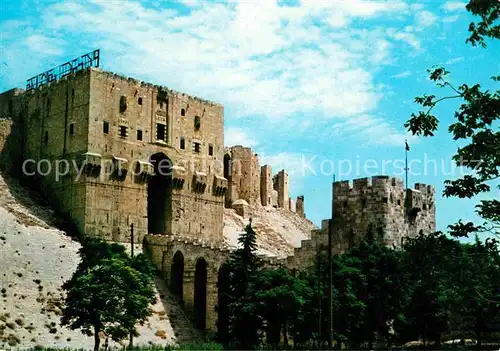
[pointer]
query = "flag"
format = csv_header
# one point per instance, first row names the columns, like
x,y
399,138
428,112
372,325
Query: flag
x,y
407,146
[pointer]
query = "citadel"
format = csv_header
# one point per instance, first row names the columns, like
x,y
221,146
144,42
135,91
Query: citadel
x,y
153,161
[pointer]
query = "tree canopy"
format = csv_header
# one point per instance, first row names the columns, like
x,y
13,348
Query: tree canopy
x,y
109,292
476,125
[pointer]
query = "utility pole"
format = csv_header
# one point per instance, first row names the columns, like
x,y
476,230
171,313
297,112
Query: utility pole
x,y
320,314
132,240
330,275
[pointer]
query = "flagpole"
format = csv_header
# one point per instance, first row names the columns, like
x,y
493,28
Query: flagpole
x,y
406,164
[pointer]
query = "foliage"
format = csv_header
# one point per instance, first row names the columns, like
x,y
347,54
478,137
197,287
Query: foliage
x,y
430,261
280,299
477,283
348,306
383,287
244,322
476,125
109,292
489,11
93,251
433,286
194,347
138,295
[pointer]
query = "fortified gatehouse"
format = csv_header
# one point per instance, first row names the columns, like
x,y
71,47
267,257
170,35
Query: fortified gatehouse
x,y
137,154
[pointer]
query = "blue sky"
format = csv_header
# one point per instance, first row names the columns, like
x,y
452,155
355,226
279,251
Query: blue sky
x,y
316,83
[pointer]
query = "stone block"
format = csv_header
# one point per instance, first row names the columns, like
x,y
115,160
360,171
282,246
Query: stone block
x,y
242,208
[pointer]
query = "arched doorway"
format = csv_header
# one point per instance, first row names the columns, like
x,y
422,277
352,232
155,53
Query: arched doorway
x,y
159,194
222,303
200,294
177,275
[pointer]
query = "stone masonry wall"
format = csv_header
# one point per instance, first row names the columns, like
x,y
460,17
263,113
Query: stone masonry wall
x,y
266,185
300,206
383,205
280,181
257,185
10,131
305,256
380,203
162,249
192,140
109,123
245,175
50,126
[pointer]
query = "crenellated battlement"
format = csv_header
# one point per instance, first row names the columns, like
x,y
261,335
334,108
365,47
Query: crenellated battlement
x,y
375,182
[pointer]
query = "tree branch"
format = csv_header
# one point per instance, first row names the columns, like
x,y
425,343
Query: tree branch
x,y
452,87
441,99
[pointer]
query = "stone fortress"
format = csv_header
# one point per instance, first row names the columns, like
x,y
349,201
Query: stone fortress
x,y
114,154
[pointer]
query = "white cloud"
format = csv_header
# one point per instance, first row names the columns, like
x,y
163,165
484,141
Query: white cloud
x,y
408,38
381,131
416,6
424,19
42,44
454,5
296,165
264,60
236,136
451,19
403,74
454,60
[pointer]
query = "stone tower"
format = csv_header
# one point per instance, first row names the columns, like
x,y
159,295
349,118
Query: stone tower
x,y
300,206
280,184
244,175
382,204
266,185
135,153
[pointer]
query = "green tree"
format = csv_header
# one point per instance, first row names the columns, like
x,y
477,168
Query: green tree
x,y
478,280
475,125
310,322
244,321
93,301
305,321
109,292
139,294
280,298
431,261
383,287
95,250
348,306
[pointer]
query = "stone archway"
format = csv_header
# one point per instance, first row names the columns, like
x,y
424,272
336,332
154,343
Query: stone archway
x,y
222,303
160,194
177,275
200,294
